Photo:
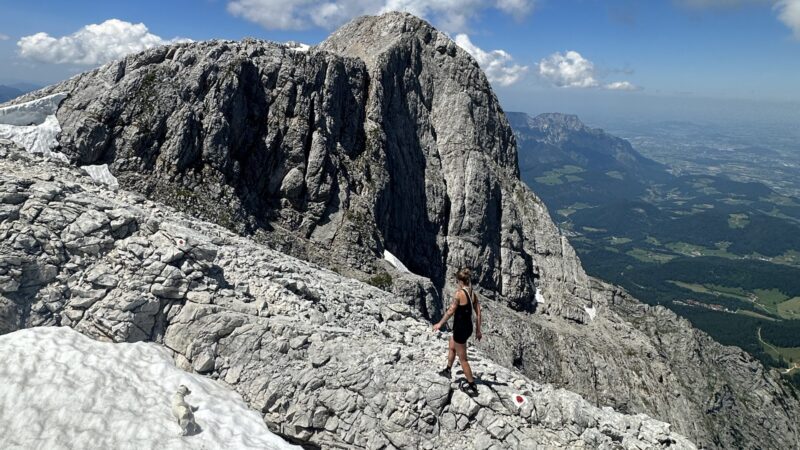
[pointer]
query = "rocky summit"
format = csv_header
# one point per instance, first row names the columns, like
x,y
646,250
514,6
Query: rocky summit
x,y
385,137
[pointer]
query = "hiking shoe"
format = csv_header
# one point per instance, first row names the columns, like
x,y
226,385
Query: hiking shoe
x,y
445,373
470,389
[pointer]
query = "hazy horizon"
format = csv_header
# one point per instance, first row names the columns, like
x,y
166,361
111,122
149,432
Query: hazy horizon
x,y
600,110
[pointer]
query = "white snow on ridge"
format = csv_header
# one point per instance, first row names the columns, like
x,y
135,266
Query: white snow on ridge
x,y
61,389
33,125
298,46
592,312
394,261
33,112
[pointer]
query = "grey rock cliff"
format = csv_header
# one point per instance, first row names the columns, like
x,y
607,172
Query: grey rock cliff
x,y
388,136
327,360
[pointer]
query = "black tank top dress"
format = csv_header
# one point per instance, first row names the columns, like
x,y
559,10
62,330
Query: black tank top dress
x,y
462,320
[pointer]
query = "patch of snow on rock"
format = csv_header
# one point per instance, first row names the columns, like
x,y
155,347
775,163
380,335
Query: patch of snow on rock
x,y
395,262
298,46
101,174
539,297
33,125
61,389
590,311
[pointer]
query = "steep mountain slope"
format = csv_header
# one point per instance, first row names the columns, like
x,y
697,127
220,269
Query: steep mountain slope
x,y
388,136
258,136
325,359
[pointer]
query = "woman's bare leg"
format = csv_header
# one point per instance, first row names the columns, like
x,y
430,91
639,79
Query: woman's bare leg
x,y
461,350
451,352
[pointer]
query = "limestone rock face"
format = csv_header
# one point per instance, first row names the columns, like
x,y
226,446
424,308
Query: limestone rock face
x,y
326,360
253,135
387,136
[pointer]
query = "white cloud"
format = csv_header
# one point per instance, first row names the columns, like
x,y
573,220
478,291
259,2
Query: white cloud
x,y
91,45
451,15
572,70
789,14
622,86
568,70
497,64
4,37
515,6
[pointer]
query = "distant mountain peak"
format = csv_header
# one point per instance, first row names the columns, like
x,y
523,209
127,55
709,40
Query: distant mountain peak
x,y
556,139
546,120
569,121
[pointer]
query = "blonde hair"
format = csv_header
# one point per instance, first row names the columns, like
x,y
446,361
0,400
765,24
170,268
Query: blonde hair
x,y
464,275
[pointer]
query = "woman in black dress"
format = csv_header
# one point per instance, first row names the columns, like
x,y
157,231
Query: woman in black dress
x,y
461,309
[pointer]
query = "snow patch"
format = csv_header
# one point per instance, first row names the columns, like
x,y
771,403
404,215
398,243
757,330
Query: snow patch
x,y
33,112
61,389
539,297
33,125
298,46
590,311
395,262
101,174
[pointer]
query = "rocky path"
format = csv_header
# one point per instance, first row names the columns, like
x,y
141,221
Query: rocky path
x,y
327,360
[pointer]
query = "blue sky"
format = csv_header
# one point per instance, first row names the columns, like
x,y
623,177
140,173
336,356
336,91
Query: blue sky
x,y
565,54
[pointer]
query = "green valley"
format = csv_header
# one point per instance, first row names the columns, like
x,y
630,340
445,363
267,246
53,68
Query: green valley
x,y
722,253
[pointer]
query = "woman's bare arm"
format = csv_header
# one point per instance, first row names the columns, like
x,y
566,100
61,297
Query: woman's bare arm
x,y
449,313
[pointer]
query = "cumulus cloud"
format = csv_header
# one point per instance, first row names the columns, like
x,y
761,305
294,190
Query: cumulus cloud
x,y
789,14
4,37
622,86
91,45
451,15
497,64
568,70
572,70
